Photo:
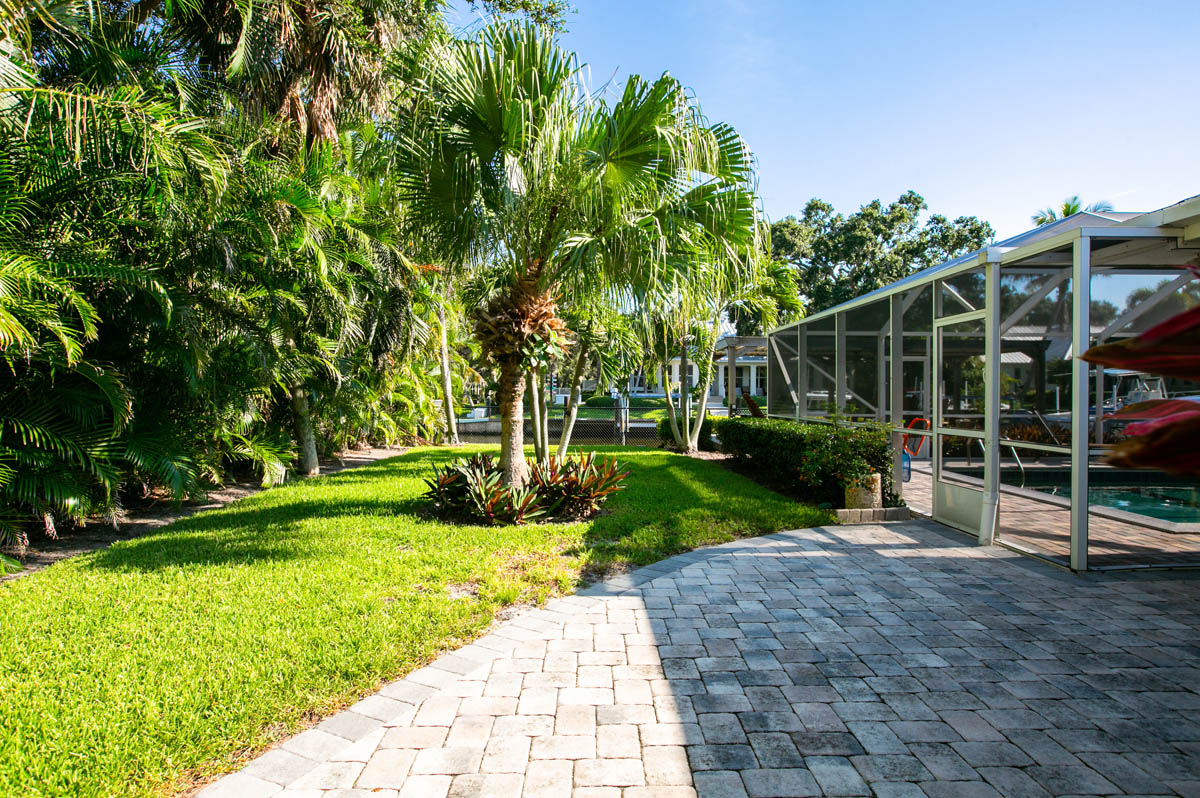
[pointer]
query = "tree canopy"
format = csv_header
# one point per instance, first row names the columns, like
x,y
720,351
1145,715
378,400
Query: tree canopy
x,y
839,257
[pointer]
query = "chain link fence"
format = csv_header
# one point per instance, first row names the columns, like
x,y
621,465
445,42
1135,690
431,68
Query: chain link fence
x,y
594,426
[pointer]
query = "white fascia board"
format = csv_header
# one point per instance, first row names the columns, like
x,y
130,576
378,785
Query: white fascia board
x,y
1182,214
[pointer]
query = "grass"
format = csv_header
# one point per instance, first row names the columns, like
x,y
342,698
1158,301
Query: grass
x,y
171,657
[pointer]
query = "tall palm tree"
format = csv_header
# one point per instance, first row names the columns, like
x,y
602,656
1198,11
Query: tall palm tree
x,y
1069,206
560,190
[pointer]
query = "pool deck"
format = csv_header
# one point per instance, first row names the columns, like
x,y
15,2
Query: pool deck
x,y
1045,528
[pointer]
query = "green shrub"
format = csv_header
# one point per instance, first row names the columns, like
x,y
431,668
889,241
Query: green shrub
x,y
810,461
706,433
572,488
635,402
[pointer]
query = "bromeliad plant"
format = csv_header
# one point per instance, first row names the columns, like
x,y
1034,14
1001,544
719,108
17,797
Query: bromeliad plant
x,y
575,487
1166,432
569,488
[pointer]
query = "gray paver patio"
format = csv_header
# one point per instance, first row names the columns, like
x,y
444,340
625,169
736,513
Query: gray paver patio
x,y
886,660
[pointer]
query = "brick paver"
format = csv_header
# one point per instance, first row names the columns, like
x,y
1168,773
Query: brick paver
x,y
885,660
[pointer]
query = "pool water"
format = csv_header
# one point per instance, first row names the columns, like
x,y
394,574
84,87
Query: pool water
x,y
1179,505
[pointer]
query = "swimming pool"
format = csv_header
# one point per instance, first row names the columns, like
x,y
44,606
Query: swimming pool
x,y
1179,505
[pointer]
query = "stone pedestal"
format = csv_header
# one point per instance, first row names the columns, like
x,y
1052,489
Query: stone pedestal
x,y
866,495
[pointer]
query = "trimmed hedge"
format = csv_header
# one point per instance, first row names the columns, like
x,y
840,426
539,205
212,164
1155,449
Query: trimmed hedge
x,y
810,461
644,402
706,434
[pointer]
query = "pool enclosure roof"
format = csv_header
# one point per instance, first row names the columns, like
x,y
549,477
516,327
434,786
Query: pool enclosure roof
x,y
1173,233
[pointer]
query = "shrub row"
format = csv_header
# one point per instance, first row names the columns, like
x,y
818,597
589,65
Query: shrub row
x,y
644,402
761,401
810,461
706,433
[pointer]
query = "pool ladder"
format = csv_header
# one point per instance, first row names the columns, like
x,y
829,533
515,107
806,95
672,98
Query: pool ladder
x,y
1015,456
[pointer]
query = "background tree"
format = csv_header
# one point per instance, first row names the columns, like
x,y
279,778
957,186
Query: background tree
x,y
838,258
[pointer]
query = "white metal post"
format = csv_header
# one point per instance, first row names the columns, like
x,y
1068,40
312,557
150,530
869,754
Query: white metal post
x,y
991,409
896,388
801,370
1081,300
731,391
881,394
839,371
934,393
800,395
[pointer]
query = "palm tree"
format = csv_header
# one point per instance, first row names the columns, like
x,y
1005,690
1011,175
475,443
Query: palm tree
x,y
561,191
1071,205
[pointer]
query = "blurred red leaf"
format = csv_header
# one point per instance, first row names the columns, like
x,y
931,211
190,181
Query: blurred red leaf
x,y
1148,426
1174,448
1154,408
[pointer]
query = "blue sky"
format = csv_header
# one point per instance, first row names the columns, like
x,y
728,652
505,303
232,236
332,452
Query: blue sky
x,y
991,109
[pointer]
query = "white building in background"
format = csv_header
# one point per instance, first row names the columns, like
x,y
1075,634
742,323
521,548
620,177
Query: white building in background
x,y
747,354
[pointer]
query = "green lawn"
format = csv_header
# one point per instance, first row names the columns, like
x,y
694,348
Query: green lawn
x,y
176,655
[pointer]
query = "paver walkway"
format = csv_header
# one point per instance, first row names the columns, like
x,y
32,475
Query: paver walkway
x,y
893,661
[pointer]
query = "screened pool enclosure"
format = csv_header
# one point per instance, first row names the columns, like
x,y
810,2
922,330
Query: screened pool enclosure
x,y
973,362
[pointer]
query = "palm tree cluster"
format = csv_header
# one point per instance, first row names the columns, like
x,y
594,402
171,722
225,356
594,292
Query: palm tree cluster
x,y
235,235
1071,205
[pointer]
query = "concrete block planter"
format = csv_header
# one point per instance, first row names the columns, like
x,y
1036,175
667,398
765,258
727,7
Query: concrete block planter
x,y
873,515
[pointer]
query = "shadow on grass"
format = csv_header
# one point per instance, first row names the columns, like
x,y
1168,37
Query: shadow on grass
x,y
670,504
273,525
673,504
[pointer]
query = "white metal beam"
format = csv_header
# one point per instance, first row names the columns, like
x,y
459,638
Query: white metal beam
x,y
1129,316
782,370
1029,304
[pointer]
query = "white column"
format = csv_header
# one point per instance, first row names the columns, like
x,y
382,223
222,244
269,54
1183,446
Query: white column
x,y
991,411
896,388
721,382
802,371
753,387
731,354
839,381
1081,326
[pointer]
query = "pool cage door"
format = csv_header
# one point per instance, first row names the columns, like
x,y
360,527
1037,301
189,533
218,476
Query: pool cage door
x,y
959,454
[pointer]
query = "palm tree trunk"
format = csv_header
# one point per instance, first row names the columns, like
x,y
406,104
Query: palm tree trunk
x,y
308,465
512,424
447,384
701,410
685,394
673,418
572,410
535,412
545,402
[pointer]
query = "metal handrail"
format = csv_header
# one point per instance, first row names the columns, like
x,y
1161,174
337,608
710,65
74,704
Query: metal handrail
x,y
1020,465
983,451
1038,416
